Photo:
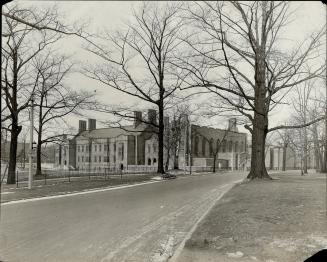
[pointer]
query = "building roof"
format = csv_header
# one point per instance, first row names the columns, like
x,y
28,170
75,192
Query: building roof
x,y
111,132
216,133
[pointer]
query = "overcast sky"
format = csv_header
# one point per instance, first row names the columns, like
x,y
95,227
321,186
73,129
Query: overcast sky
x,y
309,16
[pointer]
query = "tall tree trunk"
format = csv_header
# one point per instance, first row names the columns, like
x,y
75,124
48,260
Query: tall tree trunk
x,y
317,152
15,130
215,156
260,119
39,139
284,157
324,162
161,139
259,133
38,154
305,149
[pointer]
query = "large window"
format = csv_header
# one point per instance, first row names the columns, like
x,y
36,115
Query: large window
x,y
230,146
236,146
121,151
224,145
211,147
203,147
196,146
154,148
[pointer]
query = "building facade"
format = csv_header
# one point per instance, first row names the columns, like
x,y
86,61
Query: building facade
x,y
222,148
134,146
123,148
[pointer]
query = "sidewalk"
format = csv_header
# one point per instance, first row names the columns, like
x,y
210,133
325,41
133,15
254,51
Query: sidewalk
x,y
283,220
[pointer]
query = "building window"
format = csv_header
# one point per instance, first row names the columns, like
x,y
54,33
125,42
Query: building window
x,y
218,148
236,146
149,161
203,147
86,148
224,144
230,146
104,147
78,148
82,158
149,149
100,148
95,148
154,160
211,147
99,159
77,159
196,146
82,148
95,158
154,148
242,146
121,151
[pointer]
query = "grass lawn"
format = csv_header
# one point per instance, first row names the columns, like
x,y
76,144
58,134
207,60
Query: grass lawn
x,y
280,220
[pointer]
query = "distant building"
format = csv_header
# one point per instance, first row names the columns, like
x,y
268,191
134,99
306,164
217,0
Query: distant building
x,y
133,146
95,149
227,145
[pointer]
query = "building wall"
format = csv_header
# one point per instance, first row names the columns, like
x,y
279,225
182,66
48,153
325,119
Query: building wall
x,y
98,154
204,143
151,151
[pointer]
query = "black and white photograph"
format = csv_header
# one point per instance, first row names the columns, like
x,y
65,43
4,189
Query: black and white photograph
x,y
163,131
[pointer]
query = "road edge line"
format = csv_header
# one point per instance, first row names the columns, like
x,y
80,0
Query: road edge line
x,y
77,193
179,249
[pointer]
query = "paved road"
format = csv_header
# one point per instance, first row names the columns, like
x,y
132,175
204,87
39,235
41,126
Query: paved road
x,y
132,224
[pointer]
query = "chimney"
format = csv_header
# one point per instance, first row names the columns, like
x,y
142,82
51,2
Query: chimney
x,y
152,116
92,124
137,118
81,126
232,124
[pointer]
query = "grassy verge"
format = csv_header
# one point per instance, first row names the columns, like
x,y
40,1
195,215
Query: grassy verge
x,y
280,220
56,187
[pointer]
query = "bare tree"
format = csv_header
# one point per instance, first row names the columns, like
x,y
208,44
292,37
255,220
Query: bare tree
x,y
141,63
238,55
301,115
18,80
53,100
174,132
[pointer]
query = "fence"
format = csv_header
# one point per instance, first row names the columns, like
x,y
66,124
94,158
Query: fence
x,y
103,174
68,175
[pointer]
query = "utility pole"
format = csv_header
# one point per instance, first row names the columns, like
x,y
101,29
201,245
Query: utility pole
x,y
30,173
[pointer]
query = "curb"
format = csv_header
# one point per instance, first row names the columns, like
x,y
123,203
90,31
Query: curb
x,y
179,250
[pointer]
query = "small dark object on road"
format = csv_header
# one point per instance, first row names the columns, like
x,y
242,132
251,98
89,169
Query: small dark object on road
x,y
168,176
319,256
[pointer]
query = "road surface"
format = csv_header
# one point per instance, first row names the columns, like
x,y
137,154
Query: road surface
x,y
140,223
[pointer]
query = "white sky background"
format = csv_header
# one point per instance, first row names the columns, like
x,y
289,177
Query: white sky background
x,y
309,16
